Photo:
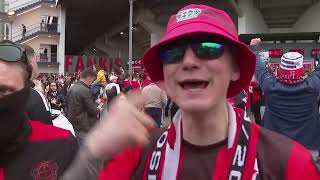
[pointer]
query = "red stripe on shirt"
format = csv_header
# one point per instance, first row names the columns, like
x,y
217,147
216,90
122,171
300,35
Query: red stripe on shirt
x,y
47,132
220,171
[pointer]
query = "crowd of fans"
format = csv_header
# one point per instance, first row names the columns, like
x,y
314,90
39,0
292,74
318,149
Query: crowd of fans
x,y
105,87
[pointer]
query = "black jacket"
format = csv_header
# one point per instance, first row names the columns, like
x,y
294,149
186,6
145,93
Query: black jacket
x,y
37,107
82,110
59,97
48,153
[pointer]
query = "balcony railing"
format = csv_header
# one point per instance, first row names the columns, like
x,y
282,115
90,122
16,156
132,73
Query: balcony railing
x,y
33,29
47,58
19,4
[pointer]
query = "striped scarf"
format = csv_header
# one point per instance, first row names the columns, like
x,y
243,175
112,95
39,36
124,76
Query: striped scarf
x,y
165,158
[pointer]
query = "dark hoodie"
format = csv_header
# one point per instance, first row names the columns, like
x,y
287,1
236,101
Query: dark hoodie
x,y
37,107
30,150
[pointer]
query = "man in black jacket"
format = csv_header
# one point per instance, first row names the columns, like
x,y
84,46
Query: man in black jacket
x,y
37,106
29,150
82,110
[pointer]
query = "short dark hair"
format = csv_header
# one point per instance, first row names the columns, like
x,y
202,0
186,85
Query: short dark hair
x,y
87,73
26,66
29,51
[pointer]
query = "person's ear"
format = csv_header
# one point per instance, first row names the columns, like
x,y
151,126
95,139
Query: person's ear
x,y
235,72
235,76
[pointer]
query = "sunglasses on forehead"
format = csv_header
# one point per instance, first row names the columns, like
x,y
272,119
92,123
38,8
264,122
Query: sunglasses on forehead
x,y
11,53
203,48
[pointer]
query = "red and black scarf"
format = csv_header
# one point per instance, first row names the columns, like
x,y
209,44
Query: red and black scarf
x,y
240,160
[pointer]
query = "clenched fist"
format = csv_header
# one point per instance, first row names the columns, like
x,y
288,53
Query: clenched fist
x,y
124,126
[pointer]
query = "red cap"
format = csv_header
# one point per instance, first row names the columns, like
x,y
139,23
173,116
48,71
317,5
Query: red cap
x,y
201,19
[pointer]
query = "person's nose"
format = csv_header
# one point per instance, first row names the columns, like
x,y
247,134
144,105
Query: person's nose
x,y
190,60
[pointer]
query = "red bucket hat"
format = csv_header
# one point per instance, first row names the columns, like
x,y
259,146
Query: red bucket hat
x,y
201,19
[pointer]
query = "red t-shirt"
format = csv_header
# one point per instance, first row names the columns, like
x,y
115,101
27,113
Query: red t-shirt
x,y
126,83
146,82
278,157
135,84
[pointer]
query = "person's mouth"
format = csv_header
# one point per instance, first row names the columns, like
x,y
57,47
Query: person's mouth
x,y
193,84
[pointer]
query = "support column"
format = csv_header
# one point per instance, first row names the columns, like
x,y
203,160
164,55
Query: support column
x,y
156,30
62,39
156,36
147,19
308,21
251,21
2,4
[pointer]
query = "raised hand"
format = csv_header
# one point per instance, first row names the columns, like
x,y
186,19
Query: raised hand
x,y
124,126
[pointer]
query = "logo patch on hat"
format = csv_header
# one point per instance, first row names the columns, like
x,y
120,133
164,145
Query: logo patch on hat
x,y
188,14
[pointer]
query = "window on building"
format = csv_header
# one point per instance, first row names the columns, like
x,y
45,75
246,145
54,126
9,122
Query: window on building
x,y
48,53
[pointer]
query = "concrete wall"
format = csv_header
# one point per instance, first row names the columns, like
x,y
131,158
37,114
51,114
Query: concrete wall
x,y
252,21
309,21
32,19
45,68
62,38
116,47
156,36
280,30
42,39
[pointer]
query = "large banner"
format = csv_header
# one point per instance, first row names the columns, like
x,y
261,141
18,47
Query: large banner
x,y
75,63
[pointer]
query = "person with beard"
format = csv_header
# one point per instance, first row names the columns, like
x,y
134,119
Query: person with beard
x,y
28,149
37,105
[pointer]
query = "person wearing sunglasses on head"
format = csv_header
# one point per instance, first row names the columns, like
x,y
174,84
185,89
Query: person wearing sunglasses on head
x,y
37,105
199,63
28,149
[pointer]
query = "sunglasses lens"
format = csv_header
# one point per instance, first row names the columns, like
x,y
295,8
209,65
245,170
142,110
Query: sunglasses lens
x,y
208,50
172,55
10,53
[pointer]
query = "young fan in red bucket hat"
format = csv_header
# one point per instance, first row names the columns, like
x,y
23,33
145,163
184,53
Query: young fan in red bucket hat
x,y
199,63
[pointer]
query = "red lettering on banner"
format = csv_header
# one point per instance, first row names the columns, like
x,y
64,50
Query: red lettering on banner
x,y
110,64
94,61
89,62
67,63
102,63
118,63
79,65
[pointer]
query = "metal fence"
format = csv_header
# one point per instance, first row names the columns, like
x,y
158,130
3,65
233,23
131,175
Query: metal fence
x,y
33,29
46,57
